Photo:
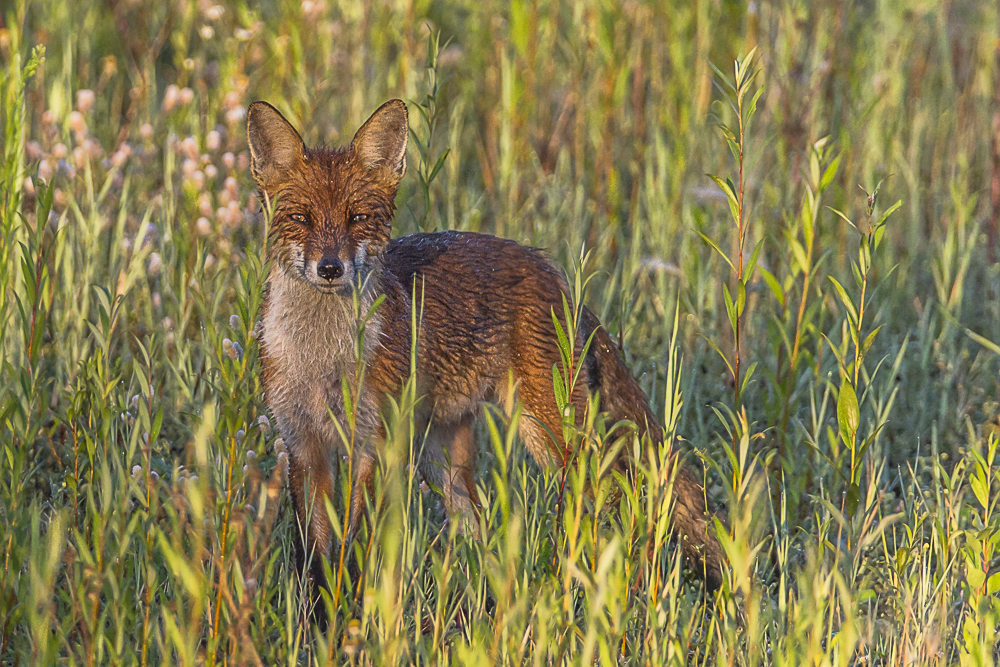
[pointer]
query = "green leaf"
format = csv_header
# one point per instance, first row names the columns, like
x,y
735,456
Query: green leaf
x,y
716,248
889,211
864,448
569,319
993,584
192,579
976,577
734,149
852,313
844,217
869,340
752,264
800,255
836,351
558,389
982,340
753,103
711,343
418,143
830,172
345,392
141,376
858,278
725,185
722,76
980,488
772,282
732,188
730,306
848,414
561,335
583,357
741,297
808,218
746,378
154,432
729,190
727,133
864,257
852,500
877,237
438,165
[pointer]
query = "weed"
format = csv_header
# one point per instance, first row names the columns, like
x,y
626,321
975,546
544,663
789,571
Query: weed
x,y
143,513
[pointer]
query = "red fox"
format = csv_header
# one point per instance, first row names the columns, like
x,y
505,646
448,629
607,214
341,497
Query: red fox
x,y
486,322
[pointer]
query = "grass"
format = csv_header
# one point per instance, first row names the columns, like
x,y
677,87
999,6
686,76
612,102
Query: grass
x,y
853,445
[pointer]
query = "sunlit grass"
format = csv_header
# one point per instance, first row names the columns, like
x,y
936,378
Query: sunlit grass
x,y
144,514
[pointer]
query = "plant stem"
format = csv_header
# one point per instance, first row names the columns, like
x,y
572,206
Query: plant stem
x,y
225,536
739,270
859,343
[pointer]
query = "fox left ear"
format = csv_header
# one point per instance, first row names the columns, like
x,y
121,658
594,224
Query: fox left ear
x,y
382,139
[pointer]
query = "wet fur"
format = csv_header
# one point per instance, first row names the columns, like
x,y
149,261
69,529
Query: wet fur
x,y
487,306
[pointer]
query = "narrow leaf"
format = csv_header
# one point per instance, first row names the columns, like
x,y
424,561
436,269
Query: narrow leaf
x,y
852,313
848,414
746,378
716,248
831,171
730,306
889,211
711,344
844,217
752,264
852,500
772,282
869,340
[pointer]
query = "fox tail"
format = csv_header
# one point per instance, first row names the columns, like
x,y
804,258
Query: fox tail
x,y
622,398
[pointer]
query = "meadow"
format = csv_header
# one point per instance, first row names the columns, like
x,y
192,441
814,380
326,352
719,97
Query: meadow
x,y
785,211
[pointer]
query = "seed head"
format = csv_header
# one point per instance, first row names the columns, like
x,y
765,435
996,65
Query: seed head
x,y
84,100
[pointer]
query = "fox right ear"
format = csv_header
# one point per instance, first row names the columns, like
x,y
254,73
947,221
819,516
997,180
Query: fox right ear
x,y
275,146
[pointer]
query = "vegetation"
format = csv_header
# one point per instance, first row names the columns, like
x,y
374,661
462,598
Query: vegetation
x,y
826,355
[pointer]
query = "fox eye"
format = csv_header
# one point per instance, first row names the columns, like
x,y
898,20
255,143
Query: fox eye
x,y
360,217
299,218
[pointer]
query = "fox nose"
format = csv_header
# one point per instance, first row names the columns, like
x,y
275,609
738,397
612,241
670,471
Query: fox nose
x,y
329,268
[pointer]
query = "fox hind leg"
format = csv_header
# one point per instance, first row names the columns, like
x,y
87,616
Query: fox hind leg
x,y
448,462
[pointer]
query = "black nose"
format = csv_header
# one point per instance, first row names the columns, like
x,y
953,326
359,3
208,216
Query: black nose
x,y
329,268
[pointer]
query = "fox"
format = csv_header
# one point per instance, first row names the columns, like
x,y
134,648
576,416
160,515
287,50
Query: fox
x,y
486,332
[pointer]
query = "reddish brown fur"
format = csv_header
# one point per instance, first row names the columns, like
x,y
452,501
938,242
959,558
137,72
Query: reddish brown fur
x,y
346,190
487,306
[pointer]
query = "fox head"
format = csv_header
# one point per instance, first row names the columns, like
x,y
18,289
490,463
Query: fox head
x,y
332,208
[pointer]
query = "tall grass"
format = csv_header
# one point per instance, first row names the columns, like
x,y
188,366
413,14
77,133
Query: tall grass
x,y
144,515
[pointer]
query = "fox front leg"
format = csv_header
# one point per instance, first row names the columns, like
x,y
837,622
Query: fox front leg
x,y
312,475
362,488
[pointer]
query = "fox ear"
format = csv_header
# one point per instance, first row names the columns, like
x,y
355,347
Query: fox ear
x,y
275,146
382,139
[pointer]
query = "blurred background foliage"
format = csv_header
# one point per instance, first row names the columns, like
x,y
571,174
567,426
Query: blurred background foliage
x,y
130,283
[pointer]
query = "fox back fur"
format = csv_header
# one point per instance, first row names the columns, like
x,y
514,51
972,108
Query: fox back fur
x,y
486,322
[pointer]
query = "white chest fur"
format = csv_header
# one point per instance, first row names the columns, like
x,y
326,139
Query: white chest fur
x,y
309,340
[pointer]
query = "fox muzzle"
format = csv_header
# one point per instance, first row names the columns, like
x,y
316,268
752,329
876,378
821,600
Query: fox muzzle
x,y
330,268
